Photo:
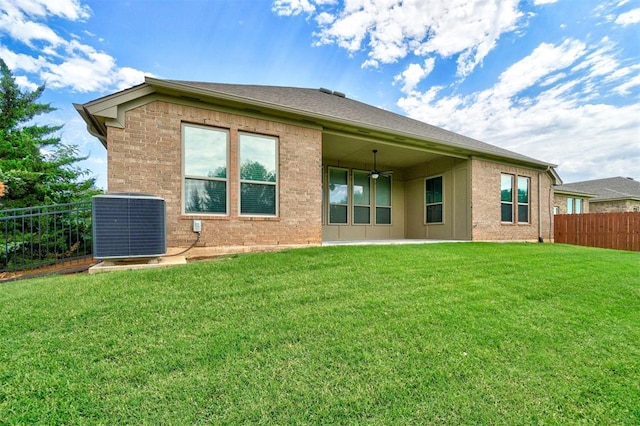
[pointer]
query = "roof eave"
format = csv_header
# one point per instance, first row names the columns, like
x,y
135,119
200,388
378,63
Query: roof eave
x,y
94,127
573,193
331,121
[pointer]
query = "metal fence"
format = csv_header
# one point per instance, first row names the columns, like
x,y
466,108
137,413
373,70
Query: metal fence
x,y
620,231
36,237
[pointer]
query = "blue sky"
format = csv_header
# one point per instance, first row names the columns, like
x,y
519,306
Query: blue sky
x,y
558,80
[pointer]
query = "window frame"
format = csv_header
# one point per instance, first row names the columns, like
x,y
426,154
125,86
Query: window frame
x,y
578,205
427,204
515,203
377,206
352,186
505,202
329,203
527,203
185,176
275,184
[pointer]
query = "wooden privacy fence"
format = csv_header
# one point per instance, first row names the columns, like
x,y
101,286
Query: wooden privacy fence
x,y
619,231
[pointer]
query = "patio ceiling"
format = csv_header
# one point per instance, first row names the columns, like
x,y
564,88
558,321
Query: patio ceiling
x,y
344,149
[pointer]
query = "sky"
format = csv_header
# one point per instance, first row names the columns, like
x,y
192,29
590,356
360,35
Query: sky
x,y
556,80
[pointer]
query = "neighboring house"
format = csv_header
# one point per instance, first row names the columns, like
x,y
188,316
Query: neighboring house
x,y
264,166
570,201
616,194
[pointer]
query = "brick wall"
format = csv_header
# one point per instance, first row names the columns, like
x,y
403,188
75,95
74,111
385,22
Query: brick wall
x,y
615,206
485,198
145,156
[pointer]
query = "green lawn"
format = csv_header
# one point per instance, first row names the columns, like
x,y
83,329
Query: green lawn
x,y
465,333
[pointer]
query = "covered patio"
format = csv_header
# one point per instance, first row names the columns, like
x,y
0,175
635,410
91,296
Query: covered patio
x,y
407,192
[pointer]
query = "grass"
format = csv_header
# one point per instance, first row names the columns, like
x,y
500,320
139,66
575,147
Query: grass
x,y
428,334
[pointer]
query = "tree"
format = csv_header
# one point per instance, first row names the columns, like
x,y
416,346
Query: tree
x,y
36,168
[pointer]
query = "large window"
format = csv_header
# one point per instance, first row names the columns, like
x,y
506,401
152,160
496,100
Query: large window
x,y
258,174
433,198
383,200
338,196
514,204
361,193
506,198
205,152
523,199
350,198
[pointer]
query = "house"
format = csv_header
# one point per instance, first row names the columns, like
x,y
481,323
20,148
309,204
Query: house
x,y
263,167
570,201
615,194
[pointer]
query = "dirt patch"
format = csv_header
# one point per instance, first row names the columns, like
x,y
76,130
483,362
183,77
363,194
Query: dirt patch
x,y
68,267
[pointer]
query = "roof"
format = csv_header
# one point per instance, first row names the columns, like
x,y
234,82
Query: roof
x,y
608,189
331,110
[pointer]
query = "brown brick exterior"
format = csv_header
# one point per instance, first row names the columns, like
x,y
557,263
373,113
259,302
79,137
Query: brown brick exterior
x,y
146,156
615,206
485,199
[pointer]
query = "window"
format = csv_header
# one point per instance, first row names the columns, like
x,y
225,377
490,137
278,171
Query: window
x,y
205,169
361,193
523,199
514,205
350,198
569,205
578,204
383,200
338,196
433,197
258,174
556,210
506,198
575,205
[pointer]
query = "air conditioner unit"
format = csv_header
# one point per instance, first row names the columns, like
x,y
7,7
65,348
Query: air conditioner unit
x,y
128,226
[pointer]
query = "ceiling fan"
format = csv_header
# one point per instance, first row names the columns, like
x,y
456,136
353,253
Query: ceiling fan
x,y
375,173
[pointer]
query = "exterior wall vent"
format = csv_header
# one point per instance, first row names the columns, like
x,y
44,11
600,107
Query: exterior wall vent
x,y
128,225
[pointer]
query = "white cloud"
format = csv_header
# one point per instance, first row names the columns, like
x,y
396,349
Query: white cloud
x,y
414,74
628,18
67,9
59,62
292,7
536,110
25,84
540,2
391,30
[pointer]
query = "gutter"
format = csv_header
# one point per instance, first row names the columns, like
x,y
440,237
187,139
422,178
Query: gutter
x,y
540,240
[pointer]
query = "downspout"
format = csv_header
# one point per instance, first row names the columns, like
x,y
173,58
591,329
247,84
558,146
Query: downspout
x,y
540,240
551,218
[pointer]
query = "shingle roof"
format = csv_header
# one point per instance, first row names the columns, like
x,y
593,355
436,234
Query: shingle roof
x,y
322,104
613,188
